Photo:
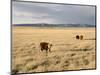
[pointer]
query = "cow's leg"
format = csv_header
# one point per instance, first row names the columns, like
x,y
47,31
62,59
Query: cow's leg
x,y
41,49
46,50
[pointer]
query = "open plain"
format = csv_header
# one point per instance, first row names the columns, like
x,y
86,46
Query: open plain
x,y
67,52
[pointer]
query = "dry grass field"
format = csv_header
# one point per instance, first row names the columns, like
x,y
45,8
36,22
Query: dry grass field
x,y
67,53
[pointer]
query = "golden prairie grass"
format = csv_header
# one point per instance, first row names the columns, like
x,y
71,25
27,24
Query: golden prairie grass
x,y
67,53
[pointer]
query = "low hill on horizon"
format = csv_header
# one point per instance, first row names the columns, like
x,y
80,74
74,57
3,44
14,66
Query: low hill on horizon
x,y
55,25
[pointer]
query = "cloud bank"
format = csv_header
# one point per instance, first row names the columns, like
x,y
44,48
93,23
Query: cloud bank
x,y
29,12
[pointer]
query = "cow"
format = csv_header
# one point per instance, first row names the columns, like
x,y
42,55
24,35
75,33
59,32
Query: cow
x,y
81,37
77,37
45,46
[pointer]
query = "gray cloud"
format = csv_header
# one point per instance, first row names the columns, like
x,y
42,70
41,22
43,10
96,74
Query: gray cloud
x,y
26,12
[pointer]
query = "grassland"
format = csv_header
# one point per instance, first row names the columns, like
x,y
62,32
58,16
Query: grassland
x,y
67,53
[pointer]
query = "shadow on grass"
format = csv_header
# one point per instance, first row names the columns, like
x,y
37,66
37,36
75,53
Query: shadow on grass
x,y
90,39
80,49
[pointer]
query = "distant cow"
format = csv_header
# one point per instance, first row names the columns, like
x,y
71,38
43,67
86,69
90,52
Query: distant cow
x,y
77,36
81,37
45,46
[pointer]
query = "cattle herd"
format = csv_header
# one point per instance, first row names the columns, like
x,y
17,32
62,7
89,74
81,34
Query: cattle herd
x,y
47,46
79,37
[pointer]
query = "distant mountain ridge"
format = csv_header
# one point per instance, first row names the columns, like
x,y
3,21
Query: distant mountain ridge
x,y
55,25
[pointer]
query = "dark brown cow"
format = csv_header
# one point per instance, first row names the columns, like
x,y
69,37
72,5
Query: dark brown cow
x,y
45,46
77,37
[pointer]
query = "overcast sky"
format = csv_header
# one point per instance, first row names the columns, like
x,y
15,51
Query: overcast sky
x,y
28,12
